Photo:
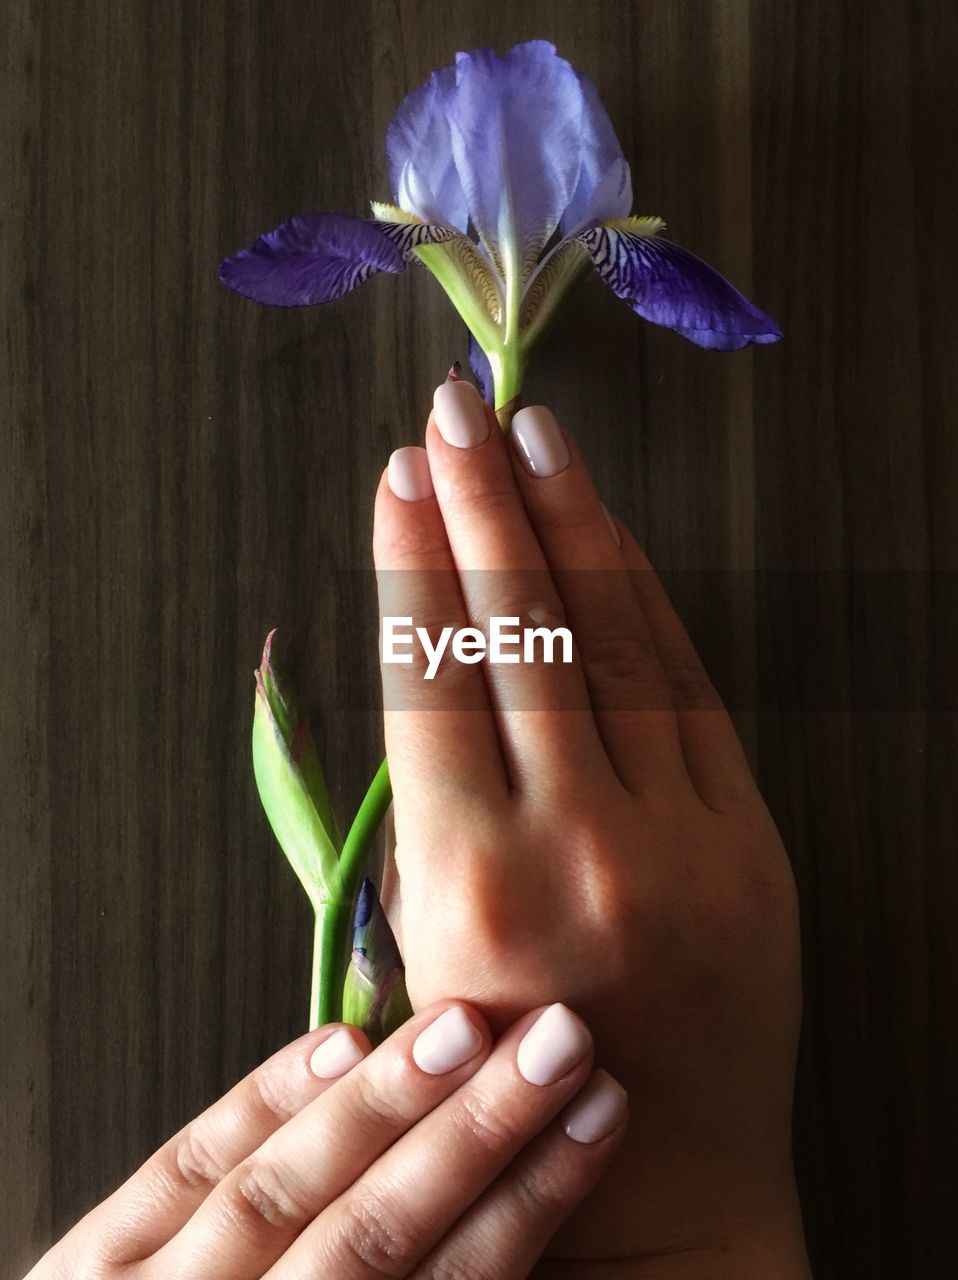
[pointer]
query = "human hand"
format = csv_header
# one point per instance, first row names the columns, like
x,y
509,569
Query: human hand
x,y
590,832
436,1154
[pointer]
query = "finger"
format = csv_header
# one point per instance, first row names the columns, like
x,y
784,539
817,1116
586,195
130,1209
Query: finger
x,y
506,1231
410,1198
440,730
716,762
628,687
256,1213
153,1205
542,707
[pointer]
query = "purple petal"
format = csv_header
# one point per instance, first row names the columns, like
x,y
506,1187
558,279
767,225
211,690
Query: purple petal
x,y
670,286
516,135
482,369
604,189
312,258
422,170
372,936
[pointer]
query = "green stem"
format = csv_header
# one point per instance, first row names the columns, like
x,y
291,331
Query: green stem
x,y
508,368
323,1004
333,919
365,825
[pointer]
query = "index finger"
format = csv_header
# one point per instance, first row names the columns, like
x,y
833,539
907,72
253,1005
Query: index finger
x,y
164,1193
440,729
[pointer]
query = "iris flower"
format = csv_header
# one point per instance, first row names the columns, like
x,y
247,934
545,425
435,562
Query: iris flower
x,y
509,185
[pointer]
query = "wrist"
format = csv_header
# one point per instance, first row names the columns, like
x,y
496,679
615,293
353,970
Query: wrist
x,y
761,1258
776,1253
764,1242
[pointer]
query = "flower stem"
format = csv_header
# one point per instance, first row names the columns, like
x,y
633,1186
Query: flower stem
x,y
324,1006
507,371
333,918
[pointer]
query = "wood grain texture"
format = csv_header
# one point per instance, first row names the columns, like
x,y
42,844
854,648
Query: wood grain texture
x,y
183,471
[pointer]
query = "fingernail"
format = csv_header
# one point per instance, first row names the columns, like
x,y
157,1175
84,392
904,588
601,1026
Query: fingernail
x,y
446,1043
408,474
613,527
552,1046
597,1109
540,441
460,414
335,1056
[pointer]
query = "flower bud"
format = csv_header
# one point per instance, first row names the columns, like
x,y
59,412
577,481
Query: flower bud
x,y
374,994
291,784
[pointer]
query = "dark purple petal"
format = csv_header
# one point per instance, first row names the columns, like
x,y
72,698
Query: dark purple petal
x,y
670,286
422,170
516,135
482,369
372,936
604,189
312,258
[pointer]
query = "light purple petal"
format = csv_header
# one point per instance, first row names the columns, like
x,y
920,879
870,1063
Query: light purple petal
x,y
312,258
670,286
422,170
516,135
482,370
604,189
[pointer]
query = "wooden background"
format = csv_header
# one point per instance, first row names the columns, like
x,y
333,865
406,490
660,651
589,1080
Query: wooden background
x,y
182,471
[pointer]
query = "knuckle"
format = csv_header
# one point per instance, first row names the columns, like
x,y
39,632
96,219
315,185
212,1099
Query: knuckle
x,y
529,600
408,544
691,687
264,1198
195,1162
540,1194
576,518
379,1235
482,496
374,1110
457,1269
484,1123
270,1098
617,655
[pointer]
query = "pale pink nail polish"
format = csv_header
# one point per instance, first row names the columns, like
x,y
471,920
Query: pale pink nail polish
x,y
555,1042
460,414
408,474
336,1055
597,1109
539,441
446,1043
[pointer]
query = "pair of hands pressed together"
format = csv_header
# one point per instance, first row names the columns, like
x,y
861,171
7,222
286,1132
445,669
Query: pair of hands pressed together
x,y
569,837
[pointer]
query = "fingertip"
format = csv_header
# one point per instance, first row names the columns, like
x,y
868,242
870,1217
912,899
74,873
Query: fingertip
x,y
408,475
456,1034
555,1043
598,1110
339,1051
468,1010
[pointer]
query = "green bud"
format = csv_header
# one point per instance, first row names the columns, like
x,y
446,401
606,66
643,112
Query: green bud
x,y
374,993
291,784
